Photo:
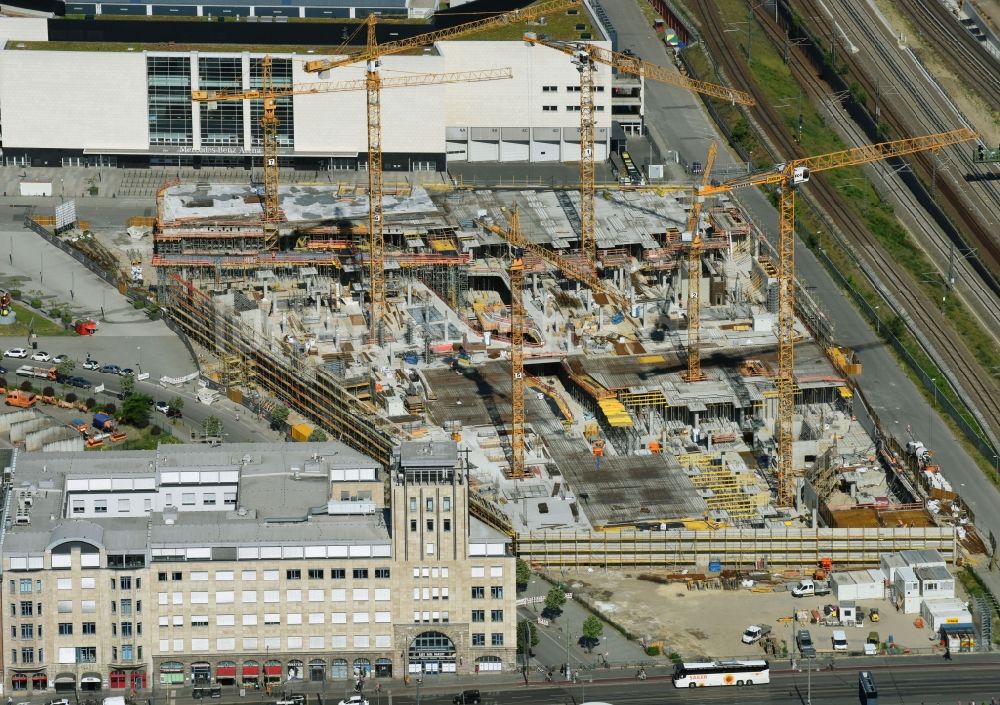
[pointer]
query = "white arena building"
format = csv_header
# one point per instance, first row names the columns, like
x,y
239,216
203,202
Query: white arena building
x,y
76,103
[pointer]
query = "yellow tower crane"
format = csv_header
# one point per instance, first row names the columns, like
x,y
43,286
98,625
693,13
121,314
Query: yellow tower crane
x,y
371,56
787,177
517,470
272,216
585,56
694,372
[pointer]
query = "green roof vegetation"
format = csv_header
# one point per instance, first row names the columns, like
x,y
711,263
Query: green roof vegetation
x,y
560,26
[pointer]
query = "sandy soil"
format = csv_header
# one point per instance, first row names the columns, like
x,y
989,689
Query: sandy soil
x,y
710,622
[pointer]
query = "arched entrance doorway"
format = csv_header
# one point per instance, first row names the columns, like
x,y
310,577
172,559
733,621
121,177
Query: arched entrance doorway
x,y
431,652
18,682
272,671
201,673
317,670
383,668
338,670
487,664
225,673
65,682
171,673
362,668
250,672
90,680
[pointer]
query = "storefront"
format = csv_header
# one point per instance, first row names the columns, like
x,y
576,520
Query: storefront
x,y
317,670
137,679
338,669
250,673
225,673
65,682
90,681
489,664
117,680
383,668
272,671
171,673
432,652
201,673
39,681
362,668
18,682
295,670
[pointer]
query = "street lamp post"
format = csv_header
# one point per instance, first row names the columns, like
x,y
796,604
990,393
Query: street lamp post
x,y
138,349
809,686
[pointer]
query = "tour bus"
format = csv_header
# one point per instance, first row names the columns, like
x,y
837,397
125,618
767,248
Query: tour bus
x,y
696,675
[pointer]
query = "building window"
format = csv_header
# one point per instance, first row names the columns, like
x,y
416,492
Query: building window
x,y
126,607
429,504
169,98
446,524
496,592
446,504
126,630
89,627
549,109
479,639
496,615
223,125
382,573
78,506
337,574
430,525
208,499
281,76
413,504
413,525
125,582
177,575
124,506
478,592
65,628
86,654
199,620
549,89
27,609
315,573
228,498
27,655
496,639
360,573
187,499
478,615
162,577
27,631
293,574
100,506
26,585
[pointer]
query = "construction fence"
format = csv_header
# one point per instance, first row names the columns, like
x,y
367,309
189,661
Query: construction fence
x,y
742,549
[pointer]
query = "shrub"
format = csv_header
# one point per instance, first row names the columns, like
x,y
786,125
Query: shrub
x,y
49,392
652,650
15,293
55,313
110,408
90,403
36,303
25,386
138,304
155,431
71,398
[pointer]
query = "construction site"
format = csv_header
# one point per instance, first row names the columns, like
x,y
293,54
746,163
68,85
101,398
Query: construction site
x,y
608,357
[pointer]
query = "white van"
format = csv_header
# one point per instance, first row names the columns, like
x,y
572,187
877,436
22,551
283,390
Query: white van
x,y
839,640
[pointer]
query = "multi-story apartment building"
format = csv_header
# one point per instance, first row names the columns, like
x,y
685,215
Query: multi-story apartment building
x,y
255,563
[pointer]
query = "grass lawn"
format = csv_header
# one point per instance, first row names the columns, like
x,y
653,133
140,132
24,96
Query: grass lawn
x,y
142,439
27,318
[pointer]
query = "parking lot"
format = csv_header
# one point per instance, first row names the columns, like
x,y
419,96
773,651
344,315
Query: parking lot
x,y
710,622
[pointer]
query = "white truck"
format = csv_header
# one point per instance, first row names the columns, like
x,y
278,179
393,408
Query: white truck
x,y
808,587
755,632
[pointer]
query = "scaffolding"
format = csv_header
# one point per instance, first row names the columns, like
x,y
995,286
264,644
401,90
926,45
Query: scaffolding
x,y
737,494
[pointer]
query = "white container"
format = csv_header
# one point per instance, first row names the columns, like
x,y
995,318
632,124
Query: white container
x,y
36,188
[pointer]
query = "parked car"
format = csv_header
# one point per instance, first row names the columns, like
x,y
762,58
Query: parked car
x,y
58,701
59,359
805,642
839,640
467,697
162,406
41,356
808,587
353,700
89,364
3,370
16,352
125,371
79,382
755,632
110,370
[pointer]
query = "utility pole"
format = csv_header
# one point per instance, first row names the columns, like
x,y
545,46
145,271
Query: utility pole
x,y
809,683
749,27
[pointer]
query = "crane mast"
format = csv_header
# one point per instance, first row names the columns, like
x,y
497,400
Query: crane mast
x,y
694,371
516,353
376,236
588,236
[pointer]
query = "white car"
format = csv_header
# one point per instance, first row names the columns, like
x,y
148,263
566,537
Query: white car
x,y
16,352
41,356
59,359
353,700
162,406
91,365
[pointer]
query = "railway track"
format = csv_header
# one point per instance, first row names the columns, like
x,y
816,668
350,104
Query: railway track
x,y
913,105
981,389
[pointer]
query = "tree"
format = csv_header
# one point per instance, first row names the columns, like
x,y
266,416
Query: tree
x,y
176,404
110,408
317,436
279,415
90,403
526,632
25,386
48,392
592,630
523,575
128,386
135,410
72,397
212,427
64,369
554,601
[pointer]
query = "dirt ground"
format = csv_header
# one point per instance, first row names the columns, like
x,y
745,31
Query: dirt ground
x,y
710,622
